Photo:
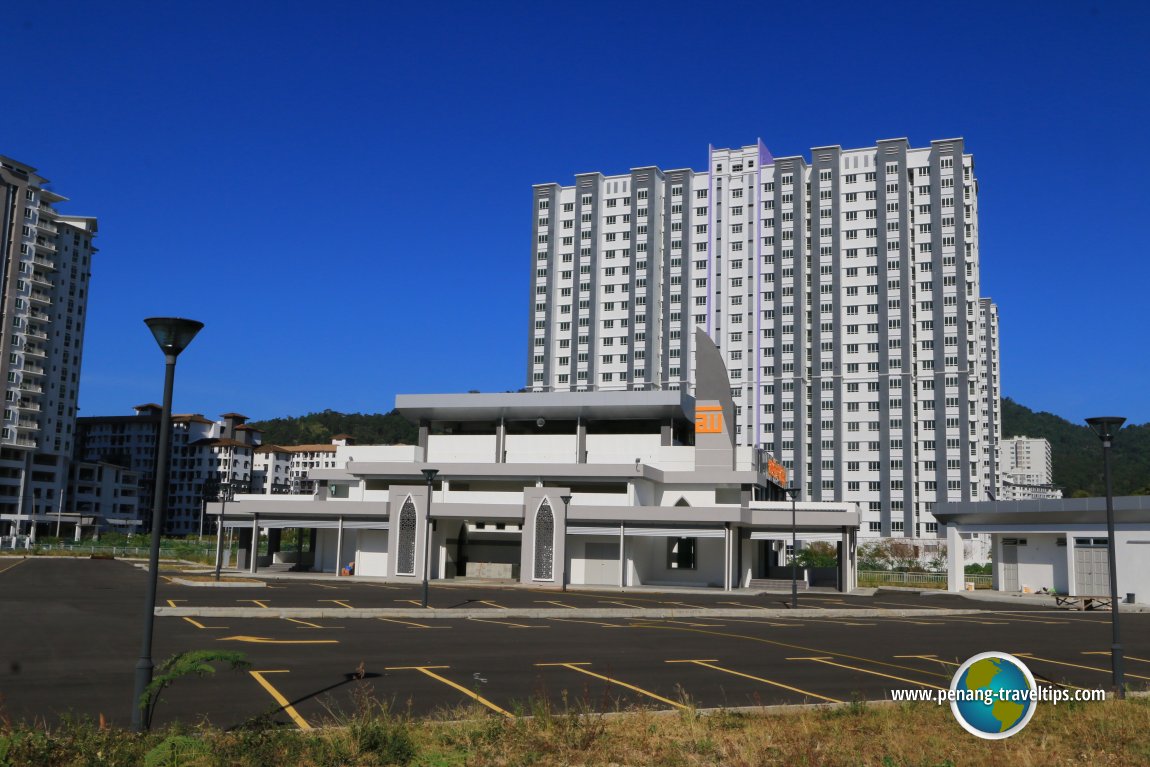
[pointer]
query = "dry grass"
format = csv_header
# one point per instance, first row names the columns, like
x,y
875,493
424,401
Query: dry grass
x,y
905,735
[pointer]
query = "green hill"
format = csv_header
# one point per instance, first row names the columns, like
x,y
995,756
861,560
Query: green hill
x,y
1077,452
318,428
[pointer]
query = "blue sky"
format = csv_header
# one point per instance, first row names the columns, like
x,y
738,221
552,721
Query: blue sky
x,y
342,191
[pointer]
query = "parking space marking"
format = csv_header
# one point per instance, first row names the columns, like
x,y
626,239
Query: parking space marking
x,y
426,670
1029,656
410,624
764,622
508,624
1021,619
378,585
623,604
267,640
288,708
1107,653
259,602
591,623
687,604
689,623
490,604
172,602
741,604
199,625
917,623
829,662
415,602
711,664
579,667
307,625
340,602
553,602
17,563
936,659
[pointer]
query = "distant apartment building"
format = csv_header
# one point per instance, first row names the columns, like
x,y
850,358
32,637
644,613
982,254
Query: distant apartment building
x,y
204,454
1027,470
843,292
46,258
286,469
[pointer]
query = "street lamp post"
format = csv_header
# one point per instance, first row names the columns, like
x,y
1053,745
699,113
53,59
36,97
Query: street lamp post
x,y
429,475
1105,427
225,494
173,334
566,502
793,492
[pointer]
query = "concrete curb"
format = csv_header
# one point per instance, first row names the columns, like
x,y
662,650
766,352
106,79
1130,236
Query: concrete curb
x,y
221,584
528,612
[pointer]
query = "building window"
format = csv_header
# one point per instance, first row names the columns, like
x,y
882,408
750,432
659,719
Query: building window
x,y
544,542
681,553
406,548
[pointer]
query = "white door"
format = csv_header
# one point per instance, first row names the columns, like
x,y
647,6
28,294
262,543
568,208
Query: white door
x,y
1091,567
1010,564
601,564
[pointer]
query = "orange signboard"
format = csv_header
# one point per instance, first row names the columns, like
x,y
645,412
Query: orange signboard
x,y
777,472
709,419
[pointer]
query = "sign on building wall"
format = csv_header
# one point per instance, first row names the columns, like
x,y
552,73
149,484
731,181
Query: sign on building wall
x,y
709,419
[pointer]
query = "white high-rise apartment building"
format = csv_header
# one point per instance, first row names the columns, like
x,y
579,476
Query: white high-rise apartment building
x,y
46,258
1027,469
842,290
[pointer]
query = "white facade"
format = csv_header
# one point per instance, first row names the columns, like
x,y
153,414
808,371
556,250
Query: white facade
x,y
843,292
204,453
1027,469
46,258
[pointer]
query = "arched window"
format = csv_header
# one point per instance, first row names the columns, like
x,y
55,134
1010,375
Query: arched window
x,y
405,551
544,542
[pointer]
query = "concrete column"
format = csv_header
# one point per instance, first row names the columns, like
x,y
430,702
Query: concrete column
x,y
580,442
424,433
666,435
501,442
955,560
1071,574
339,548
275,534
622,555
255,542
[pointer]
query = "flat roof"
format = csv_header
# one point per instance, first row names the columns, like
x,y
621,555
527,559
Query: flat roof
x,y
560,406
1065,511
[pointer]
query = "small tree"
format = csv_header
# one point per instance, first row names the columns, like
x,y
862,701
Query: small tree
x,y
818,554
193,662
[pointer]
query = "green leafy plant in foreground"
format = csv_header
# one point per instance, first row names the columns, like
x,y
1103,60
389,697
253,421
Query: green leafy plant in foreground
x,y
191,663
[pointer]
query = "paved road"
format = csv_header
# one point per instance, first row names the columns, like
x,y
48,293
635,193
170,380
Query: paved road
x,y
72,631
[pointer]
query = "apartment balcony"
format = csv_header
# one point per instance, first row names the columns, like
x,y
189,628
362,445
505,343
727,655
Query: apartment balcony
x,y
31,387
44,225
35,370
40,297
29,405
47,263
45,245
34,351
41,279
37,315
27,423
38,334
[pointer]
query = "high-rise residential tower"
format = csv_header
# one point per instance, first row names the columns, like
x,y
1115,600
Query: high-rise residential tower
x,y
45,258
843,291
1027,469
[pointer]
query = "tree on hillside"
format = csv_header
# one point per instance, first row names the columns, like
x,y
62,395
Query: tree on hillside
x,y
319,428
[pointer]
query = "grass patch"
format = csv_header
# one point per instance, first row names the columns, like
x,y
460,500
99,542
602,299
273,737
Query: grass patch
x,y
906,735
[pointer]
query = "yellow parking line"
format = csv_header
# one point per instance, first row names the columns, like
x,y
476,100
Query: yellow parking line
x,y
426,670
956,665
1107,653
490,604
340,602
1028,656
279,698
508,624
741,604
306,624
266,640
1022,619
711,664
687,604
172,602
640,690
17,563
592,623
415,602
624,604
199,625
411,625
830,662
259,602
763,622
681,623
553,602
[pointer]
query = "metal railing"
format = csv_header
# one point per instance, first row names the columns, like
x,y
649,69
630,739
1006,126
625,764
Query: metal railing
x,y
918,580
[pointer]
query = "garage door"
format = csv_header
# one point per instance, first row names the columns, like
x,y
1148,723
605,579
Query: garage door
x,y
601,563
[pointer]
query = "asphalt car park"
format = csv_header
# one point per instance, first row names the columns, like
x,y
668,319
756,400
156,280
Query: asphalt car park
x,y
72,632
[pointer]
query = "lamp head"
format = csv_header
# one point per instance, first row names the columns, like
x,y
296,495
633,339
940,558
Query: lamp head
x,y
792,492
429,474
1106,425
173,334
566,499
